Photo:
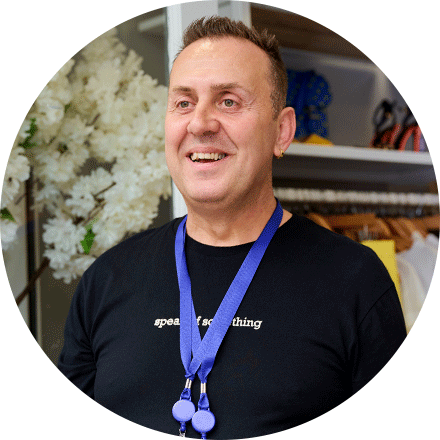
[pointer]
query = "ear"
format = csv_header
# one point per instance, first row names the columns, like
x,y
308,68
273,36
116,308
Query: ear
x,y
286,130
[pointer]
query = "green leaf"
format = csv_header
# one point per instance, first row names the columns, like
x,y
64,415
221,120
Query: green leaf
x,y
32,130
26,144
88,241
89,237
66,107
90,225
6,215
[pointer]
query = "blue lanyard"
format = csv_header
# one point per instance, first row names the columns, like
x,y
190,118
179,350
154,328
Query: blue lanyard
x,y
204,351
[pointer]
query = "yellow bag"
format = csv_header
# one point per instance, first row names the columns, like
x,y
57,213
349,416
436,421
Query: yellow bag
x,y
386,251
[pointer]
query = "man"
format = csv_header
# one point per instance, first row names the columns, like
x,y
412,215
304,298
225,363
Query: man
x,y
321,315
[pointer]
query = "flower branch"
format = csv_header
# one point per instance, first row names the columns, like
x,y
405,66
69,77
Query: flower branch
x,y
103,108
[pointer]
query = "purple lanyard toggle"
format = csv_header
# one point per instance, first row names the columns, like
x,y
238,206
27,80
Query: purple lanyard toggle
x,y
204,351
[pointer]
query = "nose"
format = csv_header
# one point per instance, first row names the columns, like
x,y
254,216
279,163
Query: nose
x,y
203,120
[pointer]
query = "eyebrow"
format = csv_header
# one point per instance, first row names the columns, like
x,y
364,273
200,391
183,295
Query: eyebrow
x,y
214,87
181,89
224,86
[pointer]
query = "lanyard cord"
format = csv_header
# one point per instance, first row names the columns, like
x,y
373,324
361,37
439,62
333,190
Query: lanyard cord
x,y
204,351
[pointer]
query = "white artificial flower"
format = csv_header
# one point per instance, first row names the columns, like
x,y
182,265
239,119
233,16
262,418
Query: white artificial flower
x,y
108,233
49,197
17,171
48,192
58,259
74,130
64,274
111,111
63,235
84,192
59,161
8,230
50,112
101,112
105,146
125,190
157,165
24,129
82,262
18,165
50,105
74,268
105,81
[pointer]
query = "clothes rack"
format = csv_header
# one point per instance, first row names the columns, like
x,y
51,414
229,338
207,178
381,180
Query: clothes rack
x,y
383,204
402,228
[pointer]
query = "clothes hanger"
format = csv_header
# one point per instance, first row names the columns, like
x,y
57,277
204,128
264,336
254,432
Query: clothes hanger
x,y
396,228
402,244
351,221
350,233
375,229
383,229
420,225
401,236
432,222
319,219
410,227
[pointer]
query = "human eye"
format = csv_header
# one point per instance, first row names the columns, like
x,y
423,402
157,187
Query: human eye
x,y
183,104
229,103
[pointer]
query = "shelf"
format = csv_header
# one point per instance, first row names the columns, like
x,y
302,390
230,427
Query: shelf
x,y
355,164
359,153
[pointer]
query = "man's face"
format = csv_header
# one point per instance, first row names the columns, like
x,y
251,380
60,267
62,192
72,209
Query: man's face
x,y
219,104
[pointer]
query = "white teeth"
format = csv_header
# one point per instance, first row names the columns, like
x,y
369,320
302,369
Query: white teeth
x,y
212,156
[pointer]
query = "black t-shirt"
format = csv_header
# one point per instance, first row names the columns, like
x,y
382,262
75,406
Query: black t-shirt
x,y
319,320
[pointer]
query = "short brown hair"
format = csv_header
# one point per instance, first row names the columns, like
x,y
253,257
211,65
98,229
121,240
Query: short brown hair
x,y
217,27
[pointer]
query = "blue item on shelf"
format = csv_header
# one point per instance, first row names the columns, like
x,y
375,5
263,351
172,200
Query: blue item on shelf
x,y
309,94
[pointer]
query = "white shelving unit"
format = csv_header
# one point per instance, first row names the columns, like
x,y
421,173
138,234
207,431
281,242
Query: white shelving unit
x,y
357,87
359,154
355,164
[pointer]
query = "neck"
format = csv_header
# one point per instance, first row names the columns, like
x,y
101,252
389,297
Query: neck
x,y
231,226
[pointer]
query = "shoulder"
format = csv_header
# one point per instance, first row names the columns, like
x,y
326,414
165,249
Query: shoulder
x,y
333,257
314,239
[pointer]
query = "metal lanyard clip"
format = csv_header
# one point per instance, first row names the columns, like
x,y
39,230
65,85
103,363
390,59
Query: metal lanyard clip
x,y
181,433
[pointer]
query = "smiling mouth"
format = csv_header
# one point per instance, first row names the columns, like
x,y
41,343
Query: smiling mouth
x,y
207,157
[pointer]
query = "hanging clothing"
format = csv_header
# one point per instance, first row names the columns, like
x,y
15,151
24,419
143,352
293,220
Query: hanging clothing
x,y
412,291
432,240
422,257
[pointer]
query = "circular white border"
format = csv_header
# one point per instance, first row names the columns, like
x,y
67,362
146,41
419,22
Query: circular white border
x,y
37,39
